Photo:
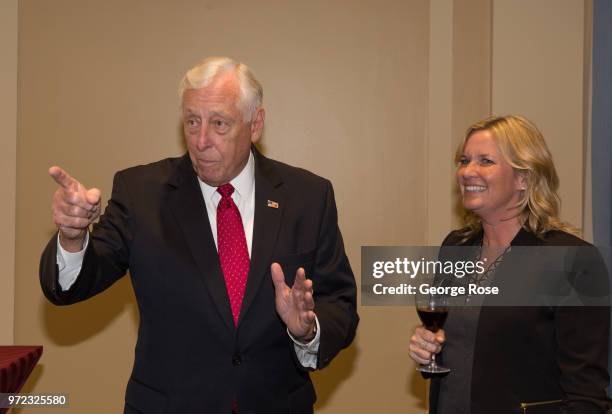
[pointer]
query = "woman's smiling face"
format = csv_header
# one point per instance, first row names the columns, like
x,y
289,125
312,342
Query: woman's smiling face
x,y
490,187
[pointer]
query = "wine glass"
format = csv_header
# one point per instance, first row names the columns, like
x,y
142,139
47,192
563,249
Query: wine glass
x,y
433,310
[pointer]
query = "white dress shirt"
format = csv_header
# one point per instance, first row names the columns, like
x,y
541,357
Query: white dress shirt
x,y
69,264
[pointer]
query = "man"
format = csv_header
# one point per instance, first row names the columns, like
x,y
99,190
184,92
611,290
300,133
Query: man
x,y
236,260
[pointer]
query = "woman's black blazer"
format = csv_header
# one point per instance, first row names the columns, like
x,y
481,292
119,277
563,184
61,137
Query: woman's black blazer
x,y
533,354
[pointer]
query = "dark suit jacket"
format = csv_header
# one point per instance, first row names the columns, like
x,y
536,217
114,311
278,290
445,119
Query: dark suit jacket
x,y
189,357
538,353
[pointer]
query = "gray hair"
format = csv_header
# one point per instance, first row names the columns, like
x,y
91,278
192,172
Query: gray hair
x,y
202,74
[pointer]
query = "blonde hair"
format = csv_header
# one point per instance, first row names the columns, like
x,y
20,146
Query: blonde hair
x,y
202,74
523,147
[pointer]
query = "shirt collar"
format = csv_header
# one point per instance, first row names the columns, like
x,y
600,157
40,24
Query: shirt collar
x,y
243,183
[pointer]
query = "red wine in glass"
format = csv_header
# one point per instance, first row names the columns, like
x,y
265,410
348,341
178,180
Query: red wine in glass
x,y
432,310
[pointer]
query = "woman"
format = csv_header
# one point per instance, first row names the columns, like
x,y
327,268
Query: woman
x,y
536,359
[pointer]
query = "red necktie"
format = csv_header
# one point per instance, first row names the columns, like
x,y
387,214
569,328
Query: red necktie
x,y
232,248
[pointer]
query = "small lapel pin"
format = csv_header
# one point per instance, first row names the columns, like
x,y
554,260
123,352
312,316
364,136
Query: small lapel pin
x,y
272,204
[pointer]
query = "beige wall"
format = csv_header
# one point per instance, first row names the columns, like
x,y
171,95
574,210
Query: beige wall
x,y
538,72
459,94
8,159
373,95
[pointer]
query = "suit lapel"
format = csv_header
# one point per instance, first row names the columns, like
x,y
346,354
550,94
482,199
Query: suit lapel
x,y
189,210
269,208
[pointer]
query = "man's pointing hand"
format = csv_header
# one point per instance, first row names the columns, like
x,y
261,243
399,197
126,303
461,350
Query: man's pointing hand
x,y
74,209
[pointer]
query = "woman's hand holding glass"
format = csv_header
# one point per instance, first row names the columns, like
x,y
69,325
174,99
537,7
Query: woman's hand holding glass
x,y
424,344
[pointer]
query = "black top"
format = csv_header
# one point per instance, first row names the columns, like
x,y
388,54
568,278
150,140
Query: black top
x,y
511,356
